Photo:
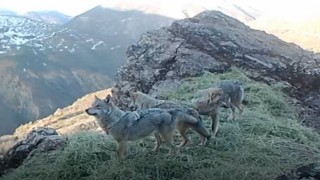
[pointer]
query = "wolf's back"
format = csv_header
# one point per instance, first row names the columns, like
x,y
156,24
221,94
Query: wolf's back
x,y
156,116
179,108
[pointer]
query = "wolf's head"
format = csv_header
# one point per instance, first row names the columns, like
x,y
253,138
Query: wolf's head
x,y
101,107
209,101
215,96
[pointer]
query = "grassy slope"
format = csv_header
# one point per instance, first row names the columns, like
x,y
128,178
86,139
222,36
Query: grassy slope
x,y
266,141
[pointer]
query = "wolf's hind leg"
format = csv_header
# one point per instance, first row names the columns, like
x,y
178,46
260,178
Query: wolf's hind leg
x,y
122,149
214,123
158,141
182,131
232,115
168,137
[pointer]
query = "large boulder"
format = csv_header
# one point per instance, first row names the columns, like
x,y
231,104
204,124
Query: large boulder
x,y
309,171
39,140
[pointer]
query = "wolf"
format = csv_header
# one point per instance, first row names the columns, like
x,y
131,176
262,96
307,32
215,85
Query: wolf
x,y
233,96
142,101
126,126
207,102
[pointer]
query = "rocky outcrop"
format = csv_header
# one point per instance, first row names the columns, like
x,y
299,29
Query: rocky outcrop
x,y
212,41
6,143
39,140
309,171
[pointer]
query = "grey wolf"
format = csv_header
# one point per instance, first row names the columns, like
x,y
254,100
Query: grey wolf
x,y
233,96
208,102
143,101
131,126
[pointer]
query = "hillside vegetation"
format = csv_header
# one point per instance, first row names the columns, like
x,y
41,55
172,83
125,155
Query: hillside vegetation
x,y
265,142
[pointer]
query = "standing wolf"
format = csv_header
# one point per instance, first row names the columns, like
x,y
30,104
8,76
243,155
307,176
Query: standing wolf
x,y
207,102
227,93
131,126
140,100
233,96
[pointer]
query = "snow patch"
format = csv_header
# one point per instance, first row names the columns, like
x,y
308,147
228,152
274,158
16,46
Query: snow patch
x,y
97,44
72,50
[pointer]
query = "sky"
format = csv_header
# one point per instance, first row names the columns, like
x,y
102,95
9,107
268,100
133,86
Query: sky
x,y
76,7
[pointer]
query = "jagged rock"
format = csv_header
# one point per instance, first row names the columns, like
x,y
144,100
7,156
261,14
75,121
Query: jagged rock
x,y
212,41
39,140
309,171
6,143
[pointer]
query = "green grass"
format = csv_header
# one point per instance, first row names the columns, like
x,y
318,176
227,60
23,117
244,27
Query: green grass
x,y
265,142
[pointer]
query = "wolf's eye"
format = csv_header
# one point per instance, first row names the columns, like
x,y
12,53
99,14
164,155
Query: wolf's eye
x,y
98,106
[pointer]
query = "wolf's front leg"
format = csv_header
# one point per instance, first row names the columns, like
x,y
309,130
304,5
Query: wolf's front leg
x,y
183,132
240,108
214,123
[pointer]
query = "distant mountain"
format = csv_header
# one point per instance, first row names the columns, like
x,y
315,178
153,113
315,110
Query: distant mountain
x,y
182,9
118,29
297,22
303,31
53,17
7,12
44,66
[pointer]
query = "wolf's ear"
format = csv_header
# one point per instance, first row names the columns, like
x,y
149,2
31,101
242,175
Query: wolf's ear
x,y
108,98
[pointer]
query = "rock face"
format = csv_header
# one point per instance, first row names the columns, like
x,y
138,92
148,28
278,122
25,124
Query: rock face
x,y
212,41
39,140
309,171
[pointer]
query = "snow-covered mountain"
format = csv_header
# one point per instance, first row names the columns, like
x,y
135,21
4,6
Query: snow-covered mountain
x,y
17,31
52,17
44,66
